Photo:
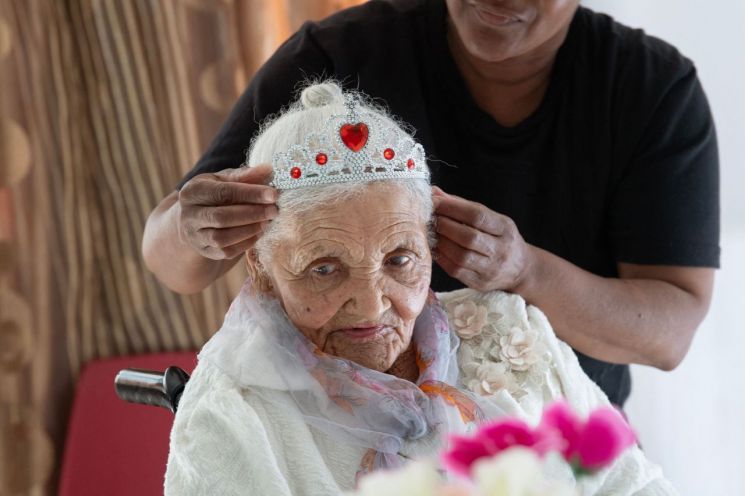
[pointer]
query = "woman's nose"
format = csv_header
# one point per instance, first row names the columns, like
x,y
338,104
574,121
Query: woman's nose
x,y
367,299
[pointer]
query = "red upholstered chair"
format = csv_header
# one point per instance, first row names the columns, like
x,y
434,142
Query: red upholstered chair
x,y
113,447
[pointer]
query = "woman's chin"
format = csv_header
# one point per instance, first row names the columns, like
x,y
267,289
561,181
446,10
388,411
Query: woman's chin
x,y
376,353
381,364
370,356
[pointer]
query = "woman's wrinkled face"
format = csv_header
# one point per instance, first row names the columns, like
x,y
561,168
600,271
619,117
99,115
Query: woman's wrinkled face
x,y
497,30
354,276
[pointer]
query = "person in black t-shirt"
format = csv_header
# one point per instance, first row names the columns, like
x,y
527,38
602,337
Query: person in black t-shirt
x,y
576,160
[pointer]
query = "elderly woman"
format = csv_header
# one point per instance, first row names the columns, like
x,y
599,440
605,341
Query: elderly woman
x,y
337,359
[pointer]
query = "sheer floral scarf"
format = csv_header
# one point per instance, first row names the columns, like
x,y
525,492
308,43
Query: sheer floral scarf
x,y
261,350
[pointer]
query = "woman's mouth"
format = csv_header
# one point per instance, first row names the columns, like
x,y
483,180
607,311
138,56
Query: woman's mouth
x,y
495,17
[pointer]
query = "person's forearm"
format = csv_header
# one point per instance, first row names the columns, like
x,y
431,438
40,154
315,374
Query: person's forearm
x,y
643,321
172,261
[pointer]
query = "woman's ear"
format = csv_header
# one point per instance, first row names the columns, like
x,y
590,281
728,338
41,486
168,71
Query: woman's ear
x,y
260,281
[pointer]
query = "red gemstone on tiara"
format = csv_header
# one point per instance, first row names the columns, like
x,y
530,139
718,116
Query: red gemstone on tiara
x,y
321,159
354,136
295,172
410,164
388,153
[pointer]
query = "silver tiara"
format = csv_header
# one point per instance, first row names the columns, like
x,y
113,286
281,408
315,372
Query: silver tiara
x,y
353,147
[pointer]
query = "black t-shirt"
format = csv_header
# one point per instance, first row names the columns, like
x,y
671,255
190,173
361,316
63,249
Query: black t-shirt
x,y
618,164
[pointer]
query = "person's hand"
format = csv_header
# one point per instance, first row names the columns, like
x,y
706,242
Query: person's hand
x,y
477,246
223,214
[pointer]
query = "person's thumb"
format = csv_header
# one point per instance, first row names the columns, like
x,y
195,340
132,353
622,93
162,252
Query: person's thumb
x,y
258,174
437,191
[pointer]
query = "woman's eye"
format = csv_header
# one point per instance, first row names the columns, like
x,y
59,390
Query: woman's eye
x,y
324,270
398,261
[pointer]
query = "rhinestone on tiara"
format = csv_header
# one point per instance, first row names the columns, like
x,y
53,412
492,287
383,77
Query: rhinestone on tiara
x,y
352,147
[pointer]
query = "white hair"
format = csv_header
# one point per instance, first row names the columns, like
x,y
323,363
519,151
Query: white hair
x,y
317,103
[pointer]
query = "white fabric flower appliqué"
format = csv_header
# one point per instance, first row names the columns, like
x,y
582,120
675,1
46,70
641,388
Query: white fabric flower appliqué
x,y
502,348
468,319
517,348
491,377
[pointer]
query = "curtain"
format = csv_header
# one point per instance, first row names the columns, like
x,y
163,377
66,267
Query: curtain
x,y
104,105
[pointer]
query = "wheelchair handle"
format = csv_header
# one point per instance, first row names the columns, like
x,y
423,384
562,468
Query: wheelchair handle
x,y
149,387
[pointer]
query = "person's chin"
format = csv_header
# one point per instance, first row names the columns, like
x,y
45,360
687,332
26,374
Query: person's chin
x,y
372,350
371,356
492,44
379,366
491,48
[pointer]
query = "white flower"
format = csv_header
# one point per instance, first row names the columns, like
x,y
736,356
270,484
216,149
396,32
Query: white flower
x,y
468,319
415,479
488,378
494,377
518,348
516,471
470,369
465,353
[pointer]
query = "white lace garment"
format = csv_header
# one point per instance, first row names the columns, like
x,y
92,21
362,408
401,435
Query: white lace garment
x,y
228,441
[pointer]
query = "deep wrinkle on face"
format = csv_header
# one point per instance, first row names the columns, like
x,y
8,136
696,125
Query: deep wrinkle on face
x,y
362,263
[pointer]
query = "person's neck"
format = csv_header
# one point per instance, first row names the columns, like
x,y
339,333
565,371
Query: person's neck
x,y
509,90
405,366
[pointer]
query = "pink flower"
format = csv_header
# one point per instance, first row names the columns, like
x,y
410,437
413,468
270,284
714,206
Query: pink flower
x,y
492,439
592,444
604,437
560,417
587,445
463,452
513,432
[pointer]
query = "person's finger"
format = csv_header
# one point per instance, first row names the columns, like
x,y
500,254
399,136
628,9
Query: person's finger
x,y
234,215
257,174
437,191
221,238
471,213
211,193
462,257
437,196
229,252
464,275
464,235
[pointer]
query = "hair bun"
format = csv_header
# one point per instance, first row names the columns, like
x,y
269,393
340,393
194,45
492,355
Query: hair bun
x,y
320,95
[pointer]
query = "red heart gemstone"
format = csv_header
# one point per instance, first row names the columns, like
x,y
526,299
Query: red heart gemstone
x,y
354,135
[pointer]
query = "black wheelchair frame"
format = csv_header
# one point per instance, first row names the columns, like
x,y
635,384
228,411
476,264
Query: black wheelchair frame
x,y
150,387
